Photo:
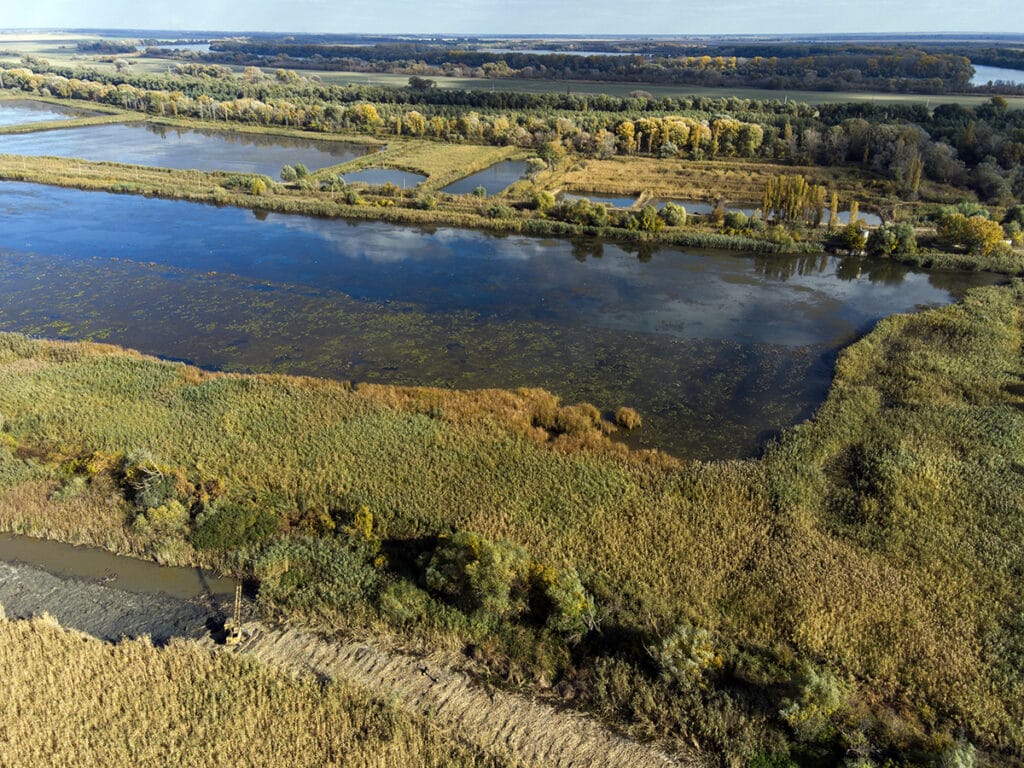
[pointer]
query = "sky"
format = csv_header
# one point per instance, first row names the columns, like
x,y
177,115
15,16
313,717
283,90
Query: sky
x,y
593,17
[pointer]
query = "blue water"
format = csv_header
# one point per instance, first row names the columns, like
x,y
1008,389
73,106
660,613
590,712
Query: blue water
x,y
717,351
187,149
494,180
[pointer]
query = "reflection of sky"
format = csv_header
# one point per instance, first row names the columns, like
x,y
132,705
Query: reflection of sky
x,y
28,112
673,293
493,179
139,144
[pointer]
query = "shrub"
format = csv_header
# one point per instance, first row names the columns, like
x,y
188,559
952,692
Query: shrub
x,y
480,191
427,203
228,525
674,215
333,184
685,654
647,220
819,696
735,220
478,575
149,483
543,201
977,234
171,517
892,240
288,174
564,604
628,418
500,212
851,238
316,575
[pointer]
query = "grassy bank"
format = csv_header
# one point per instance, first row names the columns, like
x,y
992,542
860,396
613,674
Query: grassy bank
x,y
873,548
133,704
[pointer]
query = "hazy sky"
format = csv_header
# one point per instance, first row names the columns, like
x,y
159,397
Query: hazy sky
x,y
525,16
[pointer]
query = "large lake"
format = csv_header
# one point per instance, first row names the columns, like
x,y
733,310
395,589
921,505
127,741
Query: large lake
x,y
187,149
718,351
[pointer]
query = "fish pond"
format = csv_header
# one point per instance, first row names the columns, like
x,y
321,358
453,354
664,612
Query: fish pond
x,y
718,351
183,148
494,180
381,176
614,201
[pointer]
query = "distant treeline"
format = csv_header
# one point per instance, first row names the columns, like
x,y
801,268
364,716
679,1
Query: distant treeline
x,y
107,46
816,67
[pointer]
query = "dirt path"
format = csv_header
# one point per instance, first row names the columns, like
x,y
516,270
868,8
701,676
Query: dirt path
x,y
534,732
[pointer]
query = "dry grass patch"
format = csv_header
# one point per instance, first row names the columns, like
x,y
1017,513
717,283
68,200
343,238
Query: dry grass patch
x,y
71,700
737,181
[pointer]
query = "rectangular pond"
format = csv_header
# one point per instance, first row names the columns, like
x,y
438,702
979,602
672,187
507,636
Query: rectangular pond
x,y
381,176
494,180
613,201
183,148
718,351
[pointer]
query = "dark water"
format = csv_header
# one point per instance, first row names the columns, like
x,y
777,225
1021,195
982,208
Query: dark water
x,y
380,176
18,111
187,149
718,351
495,179
615,202
124,573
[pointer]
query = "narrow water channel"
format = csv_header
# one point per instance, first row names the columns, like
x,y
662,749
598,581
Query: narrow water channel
x,y
108,596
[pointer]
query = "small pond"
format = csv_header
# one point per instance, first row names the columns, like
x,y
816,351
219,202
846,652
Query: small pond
x,y
866,217
381,176
613,201
495,179
187,149
19,111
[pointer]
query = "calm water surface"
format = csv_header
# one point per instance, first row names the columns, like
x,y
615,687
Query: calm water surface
x,y
615,202
495,179
718,351
18,111
187,149
125,573
984,75
380,176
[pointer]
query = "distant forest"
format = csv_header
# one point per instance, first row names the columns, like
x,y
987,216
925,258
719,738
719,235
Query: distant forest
x,y
933,67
